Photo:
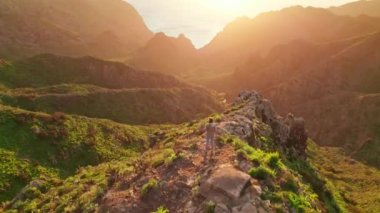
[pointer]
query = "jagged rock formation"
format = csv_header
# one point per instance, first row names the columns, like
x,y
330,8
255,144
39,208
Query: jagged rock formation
x,y
289,132
166,54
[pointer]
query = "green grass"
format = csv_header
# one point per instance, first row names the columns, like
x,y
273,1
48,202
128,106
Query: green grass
x,y
261,173
144,105
369,153
150,185
161,209
354,184
49,83
48,70
286,183
300,203
78,193
15,173
210,207
35,144
157,157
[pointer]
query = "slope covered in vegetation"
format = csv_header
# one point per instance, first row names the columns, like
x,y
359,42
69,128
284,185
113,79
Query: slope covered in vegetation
x,y
100,89
357,183
37,145
172,174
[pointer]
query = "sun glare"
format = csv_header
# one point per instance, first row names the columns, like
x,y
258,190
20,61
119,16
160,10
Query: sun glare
x,y
228,5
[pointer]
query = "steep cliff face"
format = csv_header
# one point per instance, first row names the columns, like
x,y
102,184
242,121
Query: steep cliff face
x,y
166,54
75,28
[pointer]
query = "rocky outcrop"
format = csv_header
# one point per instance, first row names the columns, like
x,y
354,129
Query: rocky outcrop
x,y
251,107
226,182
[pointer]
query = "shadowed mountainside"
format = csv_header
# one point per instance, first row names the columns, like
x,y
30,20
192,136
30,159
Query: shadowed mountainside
x,y
245,36
48,70
101,89
70,27
335,86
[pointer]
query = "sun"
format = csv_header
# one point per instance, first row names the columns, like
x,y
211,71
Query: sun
x,y
228,5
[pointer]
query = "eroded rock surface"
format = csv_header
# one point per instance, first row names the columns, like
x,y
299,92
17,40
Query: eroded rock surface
x,y
251,107
227,181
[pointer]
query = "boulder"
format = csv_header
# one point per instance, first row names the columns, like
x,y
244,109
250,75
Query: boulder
x,y
225,184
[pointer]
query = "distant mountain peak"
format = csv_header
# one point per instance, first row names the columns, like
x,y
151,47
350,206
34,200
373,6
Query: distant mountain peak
x,y
165,54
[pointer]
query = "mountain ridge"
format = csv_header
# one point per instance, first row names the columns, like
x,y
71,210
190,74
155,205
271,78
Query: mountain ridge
x,y
83,27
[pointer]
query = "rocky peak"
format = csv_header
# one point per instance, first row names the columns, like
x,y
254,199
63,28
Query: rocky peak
x,y
165,54
161,40
289,132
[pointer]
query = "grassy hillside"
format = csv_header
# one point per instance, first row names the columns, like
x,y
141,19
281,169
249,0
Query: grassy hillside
x,y
35,145
357,183
166,170
133,106
102,89
48,70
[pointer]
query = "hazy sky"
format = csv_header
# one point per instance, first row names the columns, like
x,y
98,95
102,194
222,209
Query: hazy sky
x,y
201,20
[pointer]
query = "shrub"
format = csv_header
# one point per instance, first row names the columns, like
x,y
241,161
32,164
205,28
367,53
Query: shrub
x,y
195,191
151,184
261,172
273,197
210,207
299,202
169,160
290,185
161,209
273,160
241,154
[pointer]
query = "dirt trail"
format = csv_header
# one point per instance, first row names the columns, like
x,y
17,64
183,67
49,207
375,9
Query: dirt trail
x,y
175,181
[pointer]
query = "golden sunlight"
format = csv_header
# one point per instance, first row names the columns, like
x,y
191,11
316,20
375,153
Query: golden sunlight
x,y
228,5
